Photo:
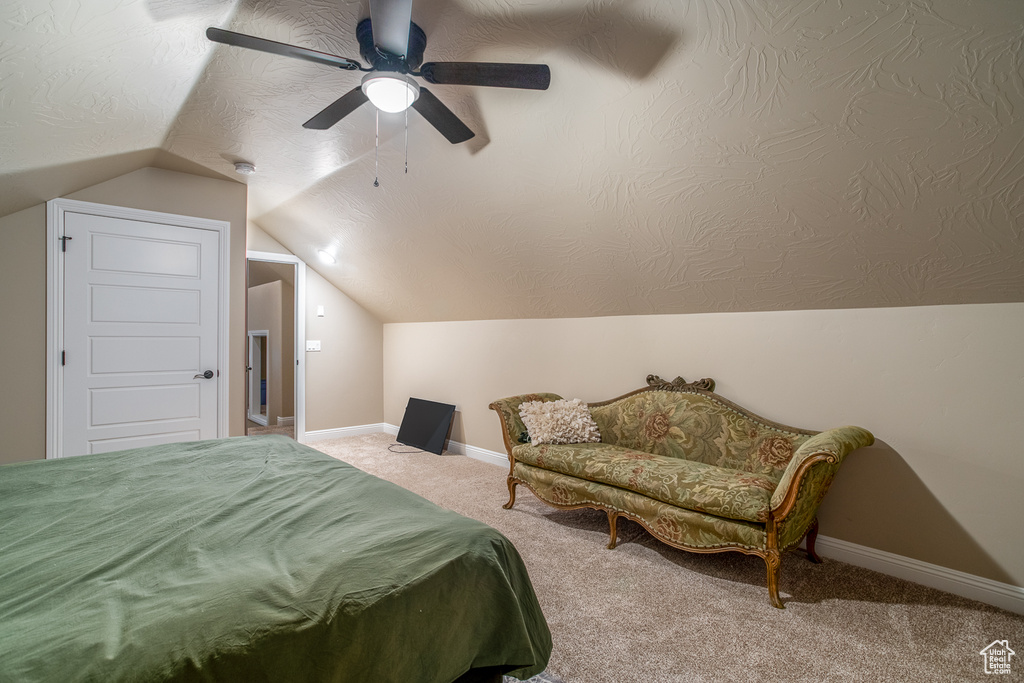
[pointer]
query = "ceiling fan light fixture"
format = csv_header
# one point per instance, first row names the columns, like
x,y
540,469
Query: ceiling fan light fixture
x,y
389,93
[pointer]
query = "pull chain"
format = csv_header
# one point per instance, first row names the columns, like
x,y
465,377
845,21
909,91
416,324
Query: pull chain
x,y
376,139
376,147
407,104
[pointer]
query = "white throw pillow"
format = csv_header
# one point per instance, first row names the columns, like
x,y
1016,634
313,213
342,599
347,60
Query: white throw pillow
x,y
561,421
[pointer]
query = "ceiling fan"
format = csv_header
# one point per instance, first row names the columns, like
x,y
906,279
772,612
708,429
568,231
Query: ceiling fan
x,y
393,46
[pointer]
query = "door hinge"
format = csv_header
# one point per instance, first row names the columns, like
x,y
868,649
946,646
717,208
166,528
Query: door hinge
x,y
64,242
63,358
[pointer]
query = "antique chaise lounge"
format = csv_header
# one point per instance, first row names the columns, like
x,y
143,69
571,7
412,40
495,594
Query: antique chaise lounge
x,y
697,471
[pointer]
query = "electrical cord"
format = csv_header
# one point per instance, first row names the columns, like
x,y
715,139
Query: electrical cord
x,y
392,449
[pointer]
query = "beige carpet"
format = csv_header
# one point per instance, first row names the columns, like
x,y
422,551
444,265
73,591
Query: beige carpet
x,y
253,429
647,613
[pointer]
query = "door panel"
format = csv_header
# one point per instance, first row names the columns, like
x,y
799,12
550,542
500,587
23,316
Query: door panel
x,y
108,445
122,405
143,305
114,253
141,318
124,355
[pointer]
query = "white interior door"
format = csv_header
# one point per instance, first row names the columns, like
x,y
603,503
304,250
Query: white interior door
x,y
141,311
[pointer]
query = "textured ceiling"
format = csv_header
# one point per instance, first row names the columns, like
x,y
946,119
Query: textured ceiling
x,y
710,155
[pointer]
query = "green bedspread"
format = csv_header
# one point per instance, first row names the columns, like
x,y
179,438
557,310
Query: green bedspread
x,y
249,559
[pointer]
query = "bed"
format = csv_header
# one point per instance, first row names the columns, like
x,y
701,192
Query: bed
x,y
251,559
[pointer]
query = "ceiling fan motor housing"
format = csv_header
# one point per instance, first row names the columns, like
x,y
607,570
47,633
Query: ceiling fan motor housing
x,y
381,60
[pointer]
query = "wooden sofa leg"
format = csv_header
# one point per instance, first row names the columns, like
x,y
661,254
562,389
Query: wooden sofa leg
x,y
772,559
812,535
511,494
612,539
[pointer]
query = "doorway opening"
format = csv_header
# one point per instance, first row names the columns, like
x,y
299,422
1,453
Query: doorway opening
x,y
275,330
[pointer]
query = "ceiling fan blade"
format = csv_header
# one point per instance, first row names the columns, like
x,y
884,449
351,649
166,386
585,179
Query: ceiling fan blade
x,y
337,110
219,35
441,117
528,76
391,20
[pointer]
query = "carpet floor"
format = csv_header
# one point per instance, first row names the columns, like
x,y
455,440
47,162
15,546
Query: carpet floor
x,y
253,429
648,613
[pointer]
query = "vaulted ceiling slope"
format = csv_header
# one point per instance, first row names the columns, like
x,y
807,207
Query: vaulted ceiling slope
x,y
708,155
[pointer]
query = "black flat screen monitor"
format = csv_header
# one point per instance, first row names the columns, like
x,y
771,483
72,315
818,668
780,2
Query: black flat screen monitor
x,y
426,425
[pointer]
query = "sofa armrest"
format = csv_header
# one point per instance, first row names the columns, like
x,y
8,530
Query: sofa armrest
x,y
829,448
508,412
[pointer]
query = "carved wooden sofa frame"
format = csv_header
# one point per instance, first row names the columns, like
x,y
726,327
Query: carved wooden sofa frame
x,y
798,503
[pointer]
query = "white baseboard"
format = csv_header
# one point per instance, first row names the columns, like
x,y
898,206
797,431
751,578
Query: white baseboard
x,y
990,592
1002,595
358,430
484,455
481,454
285,421
458,448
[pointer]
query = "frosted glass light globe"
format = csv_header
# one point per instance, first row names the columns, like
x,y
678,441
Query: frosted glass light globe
x,y
390,93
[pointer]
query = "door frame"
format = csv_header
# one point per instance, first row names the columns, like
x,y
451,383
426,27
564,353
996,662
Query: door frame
x,y
250,388
299,328
56,210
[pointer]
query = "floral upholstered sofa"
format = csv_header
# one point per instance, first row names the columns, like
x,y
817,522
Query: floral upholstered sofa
x,y
697,471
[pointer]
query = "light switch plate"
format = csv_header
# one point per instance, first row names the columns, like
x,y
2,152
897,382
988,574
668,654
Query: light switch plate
x,y
312,344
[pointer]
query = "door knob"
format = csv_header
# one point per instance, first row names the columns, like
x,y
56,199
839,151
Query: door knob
x,y
206,375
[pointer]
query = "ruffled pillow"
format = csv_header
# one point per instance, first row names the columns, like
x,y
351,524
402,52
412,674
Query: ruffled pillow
x,y
561,421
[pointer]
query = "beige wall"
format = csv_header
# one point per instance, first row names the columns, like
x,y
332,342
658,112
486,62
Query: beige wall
x,y
266,312
344,381
941,387
23,304
287,350
23,335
